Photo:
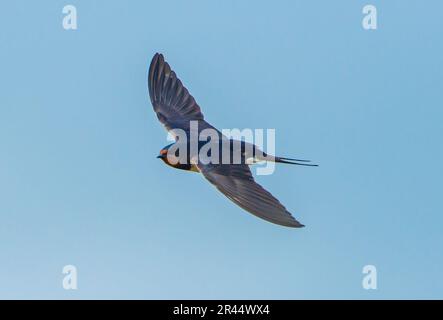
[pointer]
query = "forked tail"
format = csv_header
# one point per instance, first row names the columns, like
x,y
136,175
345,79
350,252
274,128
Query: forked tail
x,y
298,162
262,156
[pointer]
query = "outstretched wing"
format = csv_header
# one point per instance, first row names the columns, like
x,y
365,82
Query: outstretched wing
x,y
171,100
237,183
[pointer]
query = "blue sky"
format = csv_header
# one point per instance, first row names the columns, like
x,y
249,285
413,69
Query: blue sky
x,y
80,184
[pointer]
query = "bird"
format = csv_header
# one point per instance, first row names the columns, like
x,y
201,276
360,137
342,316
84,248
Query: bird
x,y
177,109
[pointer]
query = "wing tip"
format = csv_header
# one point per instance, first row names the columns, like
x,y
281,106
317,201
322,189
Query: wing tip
x,y
156,64
156,59
157,55
160,57
296,224
289,224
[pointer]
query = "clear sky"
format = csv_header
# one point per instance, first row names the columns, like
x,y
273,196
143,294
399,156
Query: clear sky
x,y
80,184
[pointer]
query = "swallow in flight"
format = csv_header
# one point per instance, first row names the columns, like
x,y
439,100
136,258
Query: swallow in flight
x,y
176,109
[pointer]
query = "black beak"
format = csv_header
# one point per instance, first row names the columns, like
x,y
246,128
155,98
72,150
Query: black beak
x,y
159,157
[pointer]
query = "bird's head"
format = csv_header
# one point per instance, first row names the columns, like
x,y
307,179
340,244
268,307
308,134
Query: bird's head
x,y
163,155
171,158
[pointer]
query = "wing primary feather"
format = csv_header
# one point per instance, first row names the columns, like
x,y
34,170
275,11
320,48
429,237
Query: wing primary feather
x,y
238,185
171,101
